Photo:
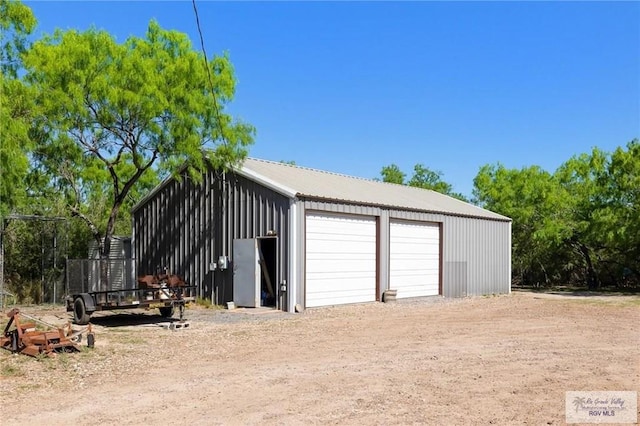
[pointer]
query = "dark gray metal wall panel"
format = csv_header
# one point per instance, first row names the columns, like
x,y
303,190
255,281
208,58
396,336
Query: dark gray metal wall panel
x,y
170,231
255,211
187,225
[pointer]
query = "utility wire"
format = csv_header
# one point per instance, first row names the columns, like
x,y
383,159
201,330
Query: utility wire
x,y
206,65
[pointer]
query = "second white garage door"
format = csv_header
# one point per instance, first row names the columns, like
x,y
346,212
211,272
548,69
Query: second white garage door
x,y
414,264
340,259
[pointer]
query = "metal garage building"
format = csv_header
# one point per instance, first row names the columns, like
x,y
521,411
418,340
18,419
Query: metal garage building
x,y
275,234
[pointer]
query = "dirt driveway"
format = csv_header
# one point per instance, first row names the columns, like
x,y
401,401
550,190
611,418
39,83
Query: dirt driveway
x,y
489,360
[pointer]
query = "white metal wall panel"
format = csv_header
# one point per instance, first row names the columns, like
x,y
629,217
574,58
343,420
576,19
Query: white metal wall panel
x,y
414,264
340,259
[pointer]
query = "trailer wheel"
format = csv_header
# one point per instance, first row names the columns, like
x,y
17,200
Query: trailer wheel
x,y
80,315
167,311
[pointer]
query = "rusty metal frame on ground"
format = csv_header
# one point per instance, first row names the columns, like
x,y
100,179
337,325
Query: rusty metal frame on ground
x,y
25,339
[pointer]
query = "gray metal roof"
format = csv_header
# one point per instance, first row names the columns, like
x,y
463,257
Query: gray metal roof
x,y
296,181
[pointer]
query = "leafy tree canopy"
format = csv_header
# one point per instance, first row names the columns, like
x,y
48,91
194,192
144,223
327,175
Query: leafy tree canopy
x,y
16,23
393,174
580,224
423,177
111,113
16,104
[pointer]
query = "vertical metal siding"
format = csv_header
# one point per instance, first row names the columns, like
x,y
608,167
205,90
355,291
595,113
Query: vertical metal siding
x,y
457,279
186,226
383,242
183,228
253,211
483,245
477,251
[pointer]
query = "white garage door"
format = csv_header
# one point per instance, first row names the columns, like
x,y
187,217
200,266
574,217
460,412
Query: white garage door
x,y
414,268
340,259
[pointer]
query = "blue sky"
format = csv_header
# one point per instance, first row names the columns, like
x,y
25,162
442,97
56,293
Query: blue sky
x,y
352,86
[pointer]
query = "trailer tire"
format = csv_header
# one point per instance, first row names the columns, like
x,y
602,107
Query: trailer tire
x,y
167,311
80,314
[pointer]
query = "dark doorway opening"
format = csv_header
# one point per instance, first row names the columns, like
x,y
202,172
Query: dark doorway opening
x,y
269,287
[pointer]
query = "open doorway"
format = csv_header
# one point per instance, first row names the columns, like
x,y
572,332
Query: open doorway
x,y
267,250
255,272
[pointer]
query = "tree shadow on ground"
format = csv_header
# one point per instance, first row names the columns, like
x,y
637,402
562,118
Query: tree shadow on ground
x,y
569,291
580,292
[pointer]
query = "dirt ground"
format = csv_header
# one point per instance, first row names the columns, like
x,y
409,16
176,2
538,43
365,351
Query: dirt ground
x,y
488,360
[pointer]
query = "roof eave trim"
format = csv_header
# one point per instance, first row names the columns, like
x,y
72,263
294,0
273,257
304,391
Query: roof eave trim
x,y
151,193
269,183
498,217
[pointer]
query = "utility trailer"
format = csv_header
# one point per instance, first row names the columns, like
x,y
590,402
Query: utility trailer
x,y
108,284
166,300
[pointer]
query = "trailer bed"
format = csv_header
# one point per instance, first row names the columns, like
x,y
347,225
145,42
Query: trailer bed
x,y
165,299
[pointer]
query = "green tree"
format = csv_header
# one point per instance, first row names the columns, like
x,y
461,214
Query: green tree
x,y
579,176
621,209
604,212
423,177
114,112
532,199
393,174
579,225
16,104
16,23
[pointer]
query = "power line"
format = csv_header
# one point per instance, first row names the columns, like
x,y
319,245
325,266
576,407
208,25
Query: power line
x,y
206,65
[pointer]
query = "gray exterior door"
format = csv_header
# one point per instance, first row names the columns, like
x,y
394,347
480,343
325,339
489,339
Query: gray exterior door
x,y
246,273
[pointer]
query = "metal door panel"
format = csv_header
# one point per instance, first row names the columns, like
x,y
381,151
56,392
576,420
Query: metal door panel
x,y
246,273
